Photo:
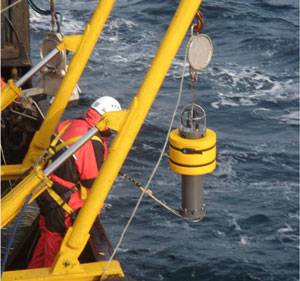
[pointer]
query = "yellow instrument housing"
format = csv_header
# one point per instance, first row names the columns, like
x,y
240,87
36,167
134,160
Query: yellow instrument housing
x,y
192,156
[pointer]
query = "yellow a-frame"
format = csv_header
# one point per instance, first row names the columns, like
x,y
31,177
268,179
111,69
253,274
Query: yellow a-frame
x,y
127,123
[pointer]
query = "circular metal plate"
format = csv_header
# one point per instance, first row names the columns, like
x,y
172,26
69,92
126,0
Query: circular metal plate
x,y
49,43
200,51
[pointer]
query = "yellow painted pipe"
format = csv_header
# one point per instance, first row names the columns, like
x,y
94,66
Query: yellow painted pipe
x,y
9,172
124,139
9,93
91,34
12,202
90,272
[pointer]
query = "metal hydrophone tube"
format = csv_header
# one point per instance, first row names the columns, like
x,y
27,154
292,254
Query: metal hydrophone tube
x,y
192,198
193,126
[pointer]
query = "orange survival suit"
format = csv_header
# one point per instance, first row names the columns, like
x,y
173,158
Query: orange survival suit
x,y
69,183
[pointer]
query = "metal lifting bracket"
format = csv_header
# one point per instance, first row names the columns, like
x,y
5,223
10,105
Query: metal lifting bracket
x,y
113,120
70,43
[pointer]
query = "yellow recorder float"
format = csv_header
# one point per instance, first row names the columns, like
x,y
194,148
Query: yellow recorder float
x,y
192,155
192,147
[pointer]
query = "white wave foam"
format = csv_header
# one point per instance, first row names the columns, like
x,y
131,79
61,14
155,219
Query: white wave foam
x,y
247,86
225,164
287,187
221,233
294,216
233,222
119,59
120,22
244,240
291,118
227,101
43,23
122,250
285,229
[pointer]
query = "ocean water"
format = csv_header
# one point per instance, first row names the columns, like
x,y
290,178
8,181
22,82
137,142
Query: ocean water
x,y
250,92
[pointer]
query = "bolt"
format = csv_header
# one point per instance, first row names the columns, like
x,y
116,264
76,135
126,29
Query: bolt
x,y
66,263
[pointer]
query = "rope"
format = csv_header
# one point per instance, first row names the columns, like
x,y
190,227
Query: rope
x,y
152,174
10,6
12,238
151,195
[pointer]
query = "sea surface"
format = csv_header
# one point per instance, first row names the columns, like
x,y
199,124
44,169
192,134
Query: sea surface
x,y
250,92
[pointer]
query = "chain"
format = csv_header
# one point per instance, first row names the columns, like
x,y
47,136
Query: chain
x,y
149,193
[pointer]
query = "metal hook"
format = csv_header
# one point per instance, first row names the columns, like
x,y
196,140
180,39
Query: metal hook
x,y
199,22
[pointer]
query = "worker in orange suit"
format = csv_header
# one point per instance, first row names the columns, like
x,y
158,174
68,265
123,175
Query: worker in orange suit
x,y
60,204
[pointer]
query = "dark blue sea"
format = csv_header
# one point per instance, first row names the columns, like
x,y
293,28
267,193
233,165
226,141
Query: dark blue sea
x,y
250,92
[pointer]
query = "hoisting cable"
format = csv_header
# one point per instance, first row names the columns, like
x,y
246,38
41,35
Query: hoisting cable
x,y
197,28
14,232
152,174
54,20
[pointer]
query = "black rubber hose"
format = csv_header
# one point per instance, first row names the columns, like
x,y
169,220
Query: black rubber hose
x,y
39,10
46,13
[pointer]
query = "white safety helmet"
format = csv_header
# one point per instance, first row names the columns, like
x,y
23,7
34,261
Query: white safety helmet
x,y
106,104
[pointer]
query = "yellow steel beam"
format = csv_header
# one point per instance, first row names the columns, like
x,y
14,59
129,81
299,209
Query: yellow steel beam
x,y
9,93
113,120
88,41
90,272
12,202
70,43
74,242
9,172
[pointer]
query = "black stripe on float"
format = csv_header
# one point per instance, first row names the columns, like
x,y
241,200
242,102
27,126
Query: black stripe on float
x,y
192,166
193,151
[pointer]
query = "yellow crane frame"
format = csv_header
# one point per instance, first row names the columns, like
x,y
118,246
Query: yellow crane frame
x,y
127,123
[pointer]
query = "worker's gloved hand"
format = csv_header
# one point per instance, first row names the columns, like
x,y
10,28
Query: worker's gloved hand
x,y
55,220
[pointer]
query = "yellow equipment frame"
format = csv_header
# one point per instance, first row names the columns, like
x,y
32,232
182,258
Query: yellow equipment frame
x,y
77,236
82,46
